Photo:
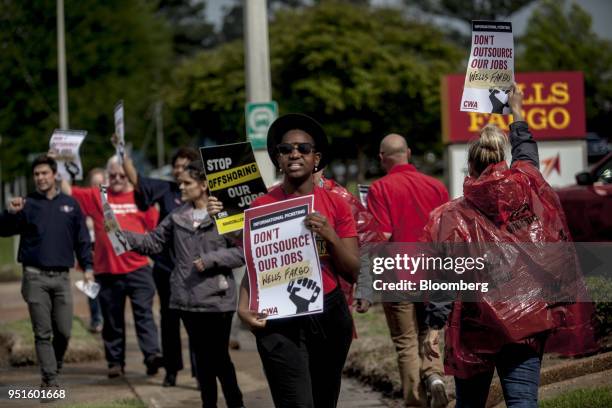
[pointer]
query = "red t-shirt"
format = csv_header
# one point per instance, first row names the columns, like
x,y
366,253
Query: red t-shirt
x,y
129,217
402,200
338,214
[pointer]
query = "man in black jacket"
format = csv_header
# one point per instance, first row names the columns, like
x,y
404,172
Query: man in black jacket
x,y
52,229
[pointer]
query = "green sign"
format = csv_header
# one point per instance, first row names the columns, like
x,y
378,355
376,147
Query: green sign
x,y
259,117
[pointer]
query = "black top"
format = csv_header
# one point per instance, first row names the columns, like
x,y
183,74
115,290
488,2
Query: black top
x,y
52,231
168,196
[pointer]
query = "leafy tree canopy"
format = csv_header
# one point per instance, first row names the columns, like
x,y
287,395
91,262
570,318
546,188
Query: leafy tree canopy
x,y
115,50
190,30
561,38
362,72
468,10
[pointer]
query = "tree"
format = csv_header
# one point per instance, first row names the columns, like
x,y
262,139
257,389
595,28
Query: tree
x,y
362,72
190,30
560,38
115,50
468,10
206,96
233,19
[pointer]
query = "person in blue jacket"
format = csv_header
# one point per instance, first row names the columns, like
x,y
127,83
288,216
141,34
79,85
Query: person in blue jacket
x,y
52,230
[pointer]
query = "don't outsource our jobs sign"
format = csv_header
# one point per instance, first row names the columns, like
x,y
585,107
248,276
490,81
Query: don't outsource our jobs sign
x,y
490,71
233,178
282,260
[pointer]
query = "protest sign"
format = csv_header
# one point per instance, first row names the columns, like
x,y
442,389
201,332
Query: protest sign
x,y
120,132
233,177
111,226
282,259
490,71
363,194
66,145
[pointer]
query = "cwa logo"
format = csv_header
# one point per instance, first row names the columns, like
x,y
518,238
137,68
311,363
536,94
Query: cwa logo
x,y
470,105
270,310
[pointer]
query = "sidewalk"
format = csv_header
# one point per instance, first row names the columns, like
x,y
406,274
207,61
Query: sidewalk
x,y
87,382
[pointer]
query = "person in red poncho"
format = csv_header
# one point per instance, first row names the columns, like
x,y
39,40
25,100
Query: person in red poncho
x,y
508,211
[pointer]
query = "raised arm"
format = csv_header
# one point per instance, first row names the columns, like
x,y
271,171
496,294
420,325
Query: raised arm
x,y
128,165
130,172
12,221
152,242
229,257
523,146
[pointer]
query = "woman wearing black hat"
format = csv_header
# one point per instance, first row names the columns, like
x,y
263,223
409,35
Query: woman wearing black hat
x,y
303,356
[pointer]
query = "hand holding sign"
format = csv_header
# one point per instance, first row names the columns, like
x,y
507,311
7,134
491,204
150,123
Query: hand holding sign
x,y
316,222
214,206
252,318
112,227
515,100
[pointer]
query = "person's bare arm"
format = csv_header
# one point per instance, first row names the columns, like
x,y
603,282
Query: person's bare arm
x,y
344,252
250,317
64,185
130,171
128,165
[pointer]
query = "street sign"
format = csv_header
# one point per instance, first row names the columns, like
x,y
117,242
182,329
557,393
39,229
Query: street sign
x,y
259,117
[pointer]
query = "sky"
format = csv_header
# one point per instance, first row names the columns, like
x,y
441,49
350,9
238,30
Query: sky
x,y
600,10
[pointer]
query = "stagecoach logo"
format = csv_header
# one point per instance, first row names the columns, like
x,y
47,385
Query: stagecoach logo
x,y
66,208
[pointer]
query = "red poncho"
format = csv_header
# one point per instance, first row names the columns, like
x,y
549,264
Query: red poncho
x,y
517,216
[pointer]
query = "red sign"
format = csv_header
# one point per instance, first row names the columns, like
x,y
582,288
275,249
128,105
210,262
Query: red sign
x,y
553,107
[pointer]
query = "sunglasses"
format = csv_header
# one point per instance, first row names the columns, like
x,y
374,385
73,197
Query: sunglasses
x,y
302,148
116,176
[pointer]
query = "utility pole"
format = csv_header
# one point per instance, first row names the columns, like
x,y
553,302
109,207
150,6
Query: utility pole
x,y
61,67
257,67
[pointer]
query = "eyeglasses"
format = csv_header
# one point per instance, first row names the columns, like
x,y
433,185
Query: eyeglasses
x,y
287,148
116,176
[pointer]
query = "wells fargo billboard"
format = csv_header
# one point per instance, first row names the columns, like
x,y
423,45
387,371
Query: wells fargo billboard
x,y
553,107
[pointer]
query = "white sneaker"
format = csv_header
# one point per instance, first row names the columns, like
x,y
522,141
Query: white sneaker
x,y
437,392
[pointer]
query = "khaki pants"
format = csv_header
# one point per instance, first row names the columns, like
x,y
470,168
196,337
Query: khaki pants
x,y
406,324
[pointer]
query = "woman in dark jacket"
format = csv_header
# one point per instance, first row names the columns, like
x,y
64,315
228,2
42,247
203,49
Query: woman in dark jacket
x,y
513,216
202,286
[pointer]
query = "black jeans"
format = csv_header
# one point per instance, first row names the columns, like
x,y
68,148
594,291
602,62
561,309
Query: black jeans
x,y
209,335
170,323
49,302
303,356
114,289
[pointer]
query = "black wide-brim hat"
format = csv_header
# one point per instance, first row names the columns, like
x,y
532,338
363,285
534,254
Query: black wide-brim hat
x,y
298,121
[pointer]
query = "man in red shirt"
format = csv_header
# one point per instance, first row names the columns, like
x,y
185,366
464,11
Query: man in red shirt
x,y
127,275
401,202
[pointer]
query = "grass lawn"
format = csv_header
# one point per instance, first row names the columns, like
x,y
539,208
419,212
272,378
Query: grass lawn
x,y
23,329
372,323
7,254
583,398
124,403
9,269
83,345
